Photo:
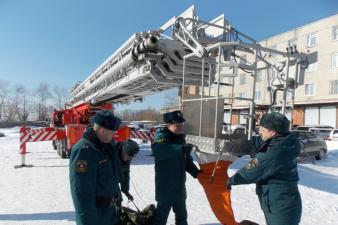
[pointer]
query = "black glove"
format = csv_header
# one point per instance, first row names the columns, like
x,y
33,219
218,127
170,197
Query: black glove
x,y
228,185
129,196
118,205
195,175
199,171
187,148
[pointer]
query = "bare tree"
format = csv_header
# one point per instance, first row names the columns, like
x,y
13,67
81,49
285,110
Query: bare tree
x,y
20,101
171,102
43,94
60,95
137,115
4,93
10,109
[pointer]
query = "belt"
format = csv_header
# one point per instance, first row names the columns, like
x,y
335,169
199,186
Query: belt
x,y
105,202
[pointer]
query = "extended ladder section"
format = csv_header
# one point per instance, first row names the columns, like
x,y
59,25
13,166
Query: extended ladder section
x,y
206,57
146,64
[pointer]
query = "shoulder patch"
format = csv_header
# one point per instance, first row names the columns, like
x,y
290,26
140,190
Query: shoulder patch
x,y
253,163
81,166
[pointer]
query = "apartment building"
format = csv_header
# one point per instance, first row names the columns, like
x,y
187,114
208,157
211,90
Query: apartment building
x,y
316,98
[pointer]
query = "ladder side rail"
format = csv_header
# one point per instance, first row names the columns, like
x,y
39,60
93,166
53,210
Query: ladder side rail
x,y
201,101
127,45
252,103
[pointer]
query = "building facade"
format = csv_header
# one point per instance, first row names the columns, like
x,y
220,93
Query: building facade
x,y
316,97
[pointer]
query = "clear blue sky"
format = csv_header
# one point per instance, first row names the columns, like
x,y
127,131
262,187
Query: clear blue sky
x,y
62,41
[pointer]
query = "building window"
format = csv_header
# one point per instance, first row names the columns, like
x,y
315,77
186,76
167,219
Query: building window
x,y
335,33
291,42
289,94
242,79
273,47
259,75
258,95
335,60
243,59
292,72
273,73
292,46
310,89
334,87
312,39
230,80
312,67
242,94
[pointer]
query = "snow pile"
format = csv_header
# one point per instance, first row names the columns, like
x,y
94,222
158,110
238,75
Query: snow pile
x,y
40,195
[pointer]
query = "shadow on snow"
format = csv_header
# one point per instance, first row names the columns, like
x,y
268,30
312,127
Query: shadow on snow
x,y
70,216
318,180
144,157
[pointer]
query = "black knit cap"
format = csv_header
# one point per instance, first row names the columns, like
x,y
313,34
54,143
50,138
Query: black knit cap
x,y
173,117
275,121
106,119
131,148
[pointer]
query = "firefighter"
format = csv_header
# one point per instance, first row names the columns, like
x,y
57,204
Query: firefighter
x,y
274,170
172,160
94,172
127,150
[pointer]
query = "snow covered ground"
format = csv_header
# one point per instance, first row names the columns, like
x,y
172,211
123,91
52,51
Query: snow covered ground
x,y
40,195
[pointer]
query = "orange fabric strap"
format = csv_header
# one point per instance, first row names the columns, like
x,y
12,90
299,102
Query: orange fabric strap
x,y
217,193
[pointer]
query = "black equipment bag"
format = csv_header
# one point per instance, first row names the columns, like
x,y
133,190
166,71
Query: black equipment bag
x,y
127,216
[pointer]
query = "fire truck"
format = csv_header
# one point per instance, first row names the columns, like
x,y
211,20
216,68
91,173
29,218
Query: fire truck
x,y
70,124
202,59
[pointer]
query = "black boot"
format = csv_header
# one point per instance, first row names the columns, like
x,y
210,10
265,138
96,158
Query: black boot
x,y
248,222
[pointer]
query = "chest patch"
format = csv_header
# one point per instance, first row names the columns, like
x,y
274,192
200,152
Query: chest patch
x,y
161,140
253,163
81,166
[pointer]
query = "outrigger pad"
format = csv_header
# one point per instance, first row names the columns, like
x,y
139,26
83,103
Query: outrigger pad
x,y
22,166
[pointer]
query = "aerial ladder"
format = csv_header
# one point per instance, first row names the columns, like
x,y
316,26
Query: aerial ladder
x,y
147,63
189,54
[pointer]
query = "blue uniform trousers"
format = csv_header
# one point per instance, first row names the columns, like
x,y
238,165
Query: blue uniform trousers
x,y
163,210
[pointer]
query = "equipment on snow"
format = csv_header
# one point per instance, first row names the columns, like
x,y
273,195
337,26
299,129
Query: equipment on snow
x,y
127,216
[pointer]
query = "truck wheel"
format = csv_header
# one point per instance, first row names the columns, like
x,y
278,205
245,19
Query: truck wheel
x,y
63,150
58,148
321,155
64,154
54,145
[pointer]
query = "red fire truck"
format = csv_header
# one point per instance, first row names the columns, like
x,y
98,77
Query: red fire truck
x,y
71,123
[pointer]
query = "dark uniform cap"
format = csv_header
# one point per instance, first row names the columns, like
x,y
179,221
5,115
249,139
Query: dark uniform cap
x,y
173,117
106,119
131,148
276,121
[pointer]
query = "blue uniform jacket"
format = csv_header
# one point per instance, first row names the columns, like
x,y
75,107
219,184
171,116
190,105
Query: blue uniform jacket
x,y
274,170
125,169
171,163
94,171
